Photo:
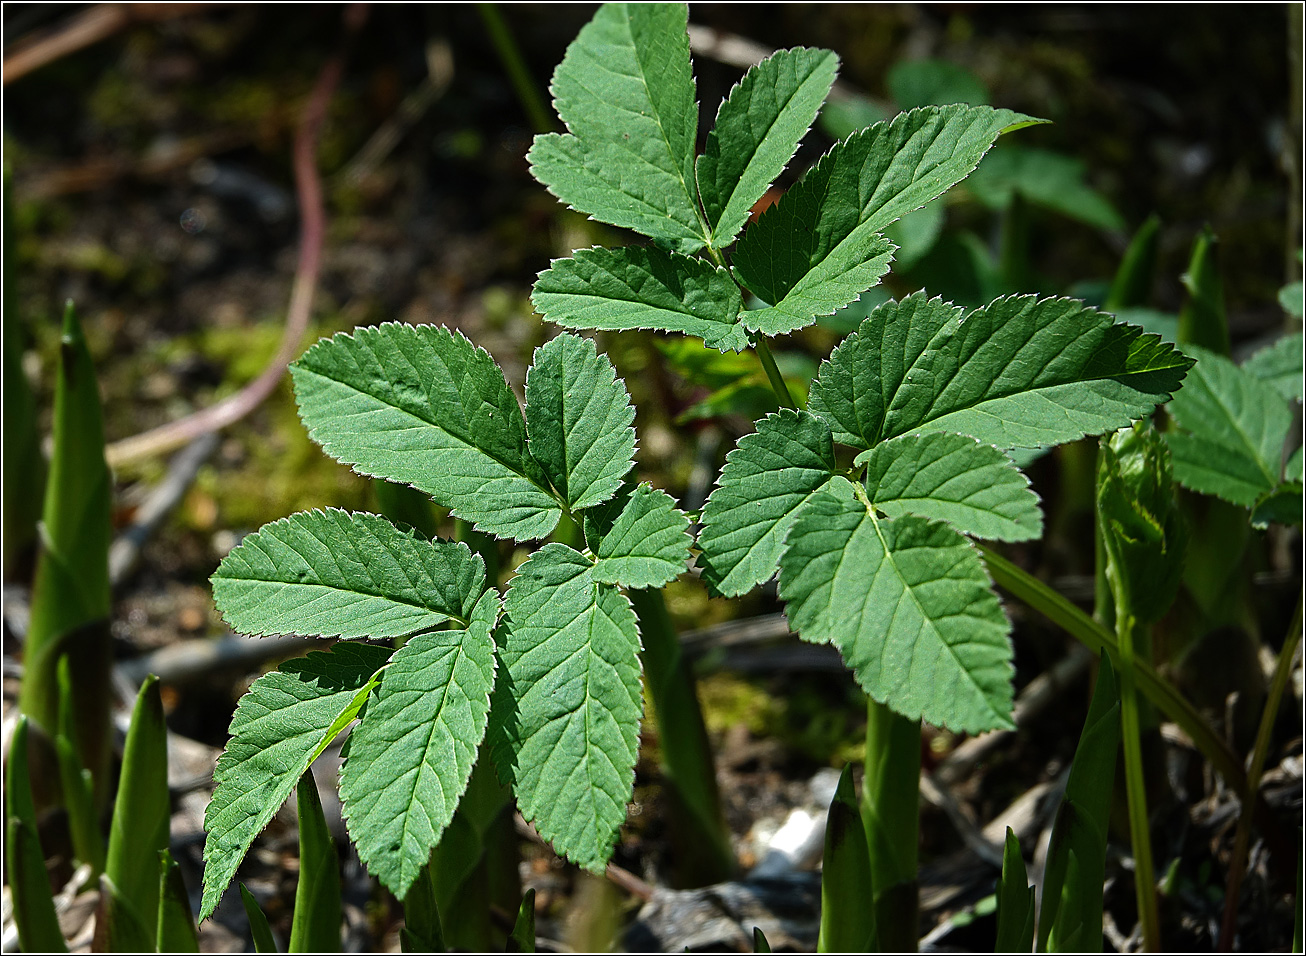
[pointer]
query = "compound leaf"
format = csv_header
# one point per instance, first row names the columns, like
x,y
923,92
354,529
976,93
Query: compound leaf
x,y
337,574
412,754
818,248
766,479
1233,426
642,288
571,703
758,128
280,726
421,405
647,542
578,418
909,605
1020,372
953,478
1280,364
626,92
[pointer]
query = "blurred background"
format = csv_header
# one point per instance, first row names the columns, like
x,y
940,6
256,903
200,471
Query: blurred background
x,y
153,183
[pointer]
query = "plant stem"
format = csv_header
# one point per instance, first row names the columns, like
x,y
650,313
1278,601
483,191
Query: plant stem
x,y
772,372
698,825
1242,839
1135,786
523,83
891,816
1092,635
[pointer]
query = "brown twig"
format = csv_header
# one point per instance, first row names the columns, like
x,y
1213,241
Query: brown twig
x,y
86,29
308,188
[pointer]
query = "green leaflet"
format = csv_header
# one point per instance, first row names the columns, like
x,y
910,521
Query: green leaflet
x,y
909,605
578,418
285,720
411,756
626,92
953,478
766,479
642,288
818,248
1280,364
646,543
1020,372
337,574
1233,426
569,705
421,405
757,130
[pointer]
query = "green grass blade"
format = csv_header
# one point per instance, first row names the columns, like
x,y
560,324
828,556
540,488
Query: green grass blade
x,y
421,932
1132,285
1071,913
29,884
258,923
142,811
70,594
176,931
119,927
847,896
1015,901
1202,320
703,851
891,815
760,945
78,789
522,938
315,927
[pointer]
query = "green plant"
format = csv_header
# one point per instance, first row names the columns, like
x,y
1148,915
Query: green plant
x,y
424,406
872,553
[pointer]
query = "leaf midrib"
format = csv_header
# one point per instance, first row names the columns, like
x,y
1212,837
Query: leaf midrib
x,y
907,589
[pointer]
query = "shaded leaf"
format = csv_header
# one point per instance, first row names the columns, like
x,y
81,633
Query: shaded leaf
x,y
847,900
315,925
1234,425
1280,364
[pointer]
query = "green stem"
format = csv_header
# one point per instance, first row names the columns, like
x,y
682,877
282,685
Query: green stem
x,y
891,816
772,372
510,55
1242,839
1092,635
704,850
1135,786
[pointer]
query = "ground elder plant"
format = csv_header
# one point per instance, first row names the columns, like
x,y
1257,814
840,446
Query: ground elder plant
x,y
873,554
551,672
866,501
